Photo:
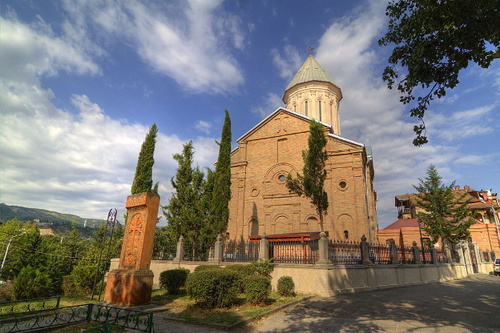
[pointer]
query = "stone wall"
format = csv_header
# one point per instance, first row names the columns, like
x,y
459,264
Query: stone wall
x,y
343,279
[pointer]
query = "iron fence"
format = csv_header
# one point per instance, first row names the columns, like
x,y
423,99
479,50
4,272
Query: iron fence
x,y
70,315
405,255
29,305
380,254
195,252
294,252
344,252
426,255
234,251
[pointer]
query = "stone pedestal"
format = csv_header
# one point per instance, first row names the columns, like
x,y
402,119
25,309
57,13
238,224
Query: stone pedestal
x,y
129,287
131,284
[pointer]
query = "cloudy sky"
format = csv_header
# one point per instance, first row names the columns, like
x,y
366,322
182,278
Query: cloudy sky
x,y
82,81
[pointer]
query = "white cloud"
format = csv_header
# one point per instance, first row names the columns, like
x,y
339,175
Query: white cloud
x,y
185,41
203,126
288,63
271,103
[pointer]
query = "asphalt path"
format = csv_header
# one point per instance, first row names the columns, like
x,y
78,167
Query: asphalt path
x,y
466,305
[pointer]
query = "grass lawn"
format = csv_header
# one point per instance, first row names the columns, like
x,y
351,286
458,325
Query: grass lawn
x,y
183,307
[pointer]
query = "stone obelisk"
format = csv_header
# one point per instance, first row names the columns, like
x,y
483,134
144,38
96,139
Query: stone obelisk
x,y
131,284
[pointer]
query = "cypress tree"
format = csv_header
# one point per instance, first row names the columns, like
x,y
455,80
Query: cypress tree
x,y
143,180
311,183
219,210
445,215
184,212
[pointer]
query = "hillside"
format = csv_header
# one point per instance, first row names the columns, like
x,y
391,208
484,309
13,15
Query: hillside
x,y
59,223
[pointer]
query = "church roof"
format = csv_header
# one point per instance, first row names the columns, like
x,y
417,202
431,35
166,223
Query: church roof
x,y
298,115
310,70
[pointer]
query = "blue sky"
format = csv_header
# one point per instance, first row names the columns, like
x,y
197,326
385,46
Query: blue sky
x,y
82,81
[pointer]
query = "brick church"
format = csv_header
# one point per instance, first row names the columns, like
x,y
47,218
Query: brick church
x,y
272,149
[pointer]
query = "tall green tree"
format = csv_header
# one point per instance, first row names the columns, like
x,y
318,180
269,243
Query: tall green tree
x,y
183,212
433,41
143,180
311,183
221,192
445,215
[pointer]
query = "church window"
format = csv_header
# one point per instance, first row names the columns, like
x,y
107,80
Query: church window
x,y
342,185
346,234
319,110
281,178
306,109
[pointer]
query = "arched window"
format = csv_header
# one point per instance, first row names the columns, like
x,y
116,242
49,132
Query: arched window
x,y
346,234
307,109
319,110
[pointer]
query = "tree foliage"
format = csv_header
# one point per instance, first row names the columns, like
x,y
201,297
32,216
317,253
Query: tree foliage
x,y
219,210
311,183
184,211
143,180
434,41
446,216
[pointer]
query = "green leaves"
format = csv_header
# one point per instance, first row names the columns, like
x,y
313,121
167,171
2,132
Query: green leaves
x,y
143,180
444,214
434,41
311,183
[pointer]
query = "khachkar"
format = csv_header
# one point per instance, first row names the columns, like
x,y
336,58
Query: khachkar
x,y
132,283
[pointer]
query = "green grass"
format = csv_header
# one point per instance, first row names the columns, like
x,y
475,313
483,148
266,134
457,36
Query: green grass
x,y
183,307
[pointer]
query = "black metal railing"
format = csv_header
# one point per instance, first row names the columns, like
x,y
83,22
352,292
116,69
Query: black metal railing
x,y
379,254
405,255
70,315
344,252
294,252
29,305
240,251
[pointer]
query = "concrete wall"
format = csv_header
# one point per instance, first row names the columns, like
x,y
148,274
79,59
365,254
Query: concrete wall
x,y
343,279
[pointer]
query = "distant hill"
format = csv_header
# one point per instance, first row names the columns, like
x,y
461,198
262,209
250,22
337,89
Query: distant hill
x,y
58,222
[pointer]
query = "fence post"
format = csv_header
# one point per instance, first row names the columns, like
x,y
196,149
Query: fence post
x,y
394,252
218,250
416,253
365,252
264,248
434,255
179,255
323,260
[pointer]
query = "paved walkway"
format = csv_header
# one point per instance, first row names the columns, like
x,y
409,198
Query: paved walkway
x,y
468,305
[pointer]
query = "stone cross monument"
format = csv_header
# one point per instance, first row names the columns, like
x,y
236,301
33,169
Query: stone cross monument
x,y
132,283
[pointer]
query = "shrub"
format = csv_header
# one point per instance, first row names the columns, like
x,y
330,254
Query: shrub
x,y
174,279
206,267
244,270
68,286
263,267
257,288
213,288
6,294
81,281
31,283
286,287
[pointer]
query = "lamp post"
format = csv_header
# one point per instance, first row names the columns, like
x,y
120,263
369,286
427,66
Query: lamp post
x,y
7,250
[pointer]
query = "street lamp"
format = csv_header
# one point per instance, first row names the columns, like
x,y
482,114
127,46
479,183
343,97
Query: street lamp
x,y
7,251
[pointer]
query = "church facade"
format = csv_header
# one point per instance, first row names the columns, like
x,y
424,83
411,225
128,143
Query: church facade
x,y
267,153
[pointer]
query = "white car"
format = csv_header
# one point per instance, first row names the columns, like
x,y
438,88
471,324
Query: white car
x,y
496,266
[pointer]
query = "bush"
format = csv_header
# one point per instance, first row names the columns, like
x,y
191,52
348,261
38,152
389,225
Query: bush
x,y
206,267
257,288
213,288
6,294
31,283
263,267
244,270
286,287
174,279
68,286
81,281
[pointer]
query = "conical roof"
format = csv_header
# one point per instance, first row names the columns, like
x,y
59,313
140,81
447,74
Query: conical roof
x,y
310,70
